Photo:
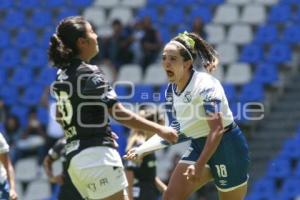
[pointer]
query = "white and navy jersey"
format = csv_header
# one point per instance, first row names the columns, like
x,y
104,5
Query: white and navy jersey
x,y
188,111
4,148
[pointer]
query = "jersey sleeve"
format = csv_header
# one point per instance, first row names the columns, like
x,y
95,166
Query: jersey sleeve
x,y
211,98
96,85
4,147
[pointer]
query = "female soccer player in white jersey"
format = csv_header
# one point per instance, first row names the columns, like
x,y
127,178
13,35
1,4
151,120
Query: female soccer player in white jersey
x,y
7,175
197,106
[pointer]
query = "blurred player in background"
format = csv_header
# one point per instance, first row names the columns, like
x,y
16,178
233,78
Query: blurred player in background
x,y
85,102
197,106
67,189
143,184
7,175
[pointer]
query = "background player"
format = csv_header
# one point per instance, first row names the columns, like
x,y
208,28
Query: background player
x,y
143,183
7,175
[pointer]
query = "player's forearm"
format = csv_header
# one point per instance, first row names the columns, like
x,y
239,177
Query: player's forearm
x,y
212,142
132,120
11,176
161,186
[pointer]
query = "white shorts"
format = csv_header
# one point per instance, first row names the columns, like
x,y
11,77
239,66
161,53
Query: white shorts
x,y
95,180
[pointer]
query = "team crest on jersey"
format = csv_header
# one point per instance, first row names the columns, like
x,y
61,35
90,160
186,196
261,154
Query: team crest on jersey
x,y
187,97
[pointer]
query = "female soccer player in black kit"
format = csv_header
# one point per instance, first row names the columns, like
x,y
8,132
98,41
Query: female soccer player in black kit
x,y
85,100
143,184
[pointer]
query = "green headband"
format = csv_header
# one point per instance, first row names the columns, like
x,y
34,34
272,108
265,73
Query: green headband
x,y
188,40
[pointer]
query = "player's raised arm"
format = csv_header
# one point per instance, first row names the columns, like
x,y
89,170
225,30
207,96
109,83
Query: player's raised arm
x,y
132,120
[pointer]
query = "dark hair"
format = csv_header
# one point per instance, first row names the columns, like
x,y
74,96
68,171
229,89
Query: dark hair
x,y
62,47
201,49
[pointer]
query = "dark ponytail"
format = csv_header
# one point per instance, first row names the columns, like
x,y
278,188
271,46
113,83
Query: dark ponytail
x,y
63,44
199,49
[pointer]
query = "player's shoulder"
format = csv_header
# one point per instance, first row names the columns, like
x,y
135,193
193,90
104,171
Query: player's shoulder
x,y
85,68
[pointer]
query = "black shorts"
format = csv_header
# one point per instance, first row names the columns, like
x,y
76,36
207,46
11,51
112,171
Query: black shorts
x,y
147,191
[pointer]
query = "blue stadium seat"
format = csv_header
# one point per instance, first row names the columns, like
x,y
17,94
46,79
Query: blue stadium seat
x,y
46,76
44,38
266,73
279,168
65,12
5,39
122,140
212,2
203,12
10,57
173,16
165,34
55,3
252,53
280,14
9,94
14,19
148,12
81,3
156,3
290,188
3,76
29,4
40,18
296,16
289,2
291,149
184,3
21,112
297,170
252,92
266,34
43,115
229,91
142,93
6,4
22,77
32,95
264,187
291,34
279,53
123,92
36,57
25,39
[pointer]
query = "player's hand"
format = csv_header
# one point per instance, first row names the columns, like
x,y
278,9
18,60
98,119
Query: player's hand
x,y
57,179
132,155
13,195
192,174
169,134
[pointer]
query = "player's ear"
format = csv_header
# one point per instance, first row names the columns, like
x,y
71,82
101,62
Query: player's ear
x,y
81,42
188,64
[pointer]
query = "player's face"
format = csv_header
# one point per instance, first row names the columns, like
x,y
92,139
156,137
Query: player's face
x,y
90,43
173,63
92,38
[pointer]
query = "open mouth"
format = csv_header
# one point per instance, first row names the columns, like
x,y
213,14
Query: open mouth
x,y
169,73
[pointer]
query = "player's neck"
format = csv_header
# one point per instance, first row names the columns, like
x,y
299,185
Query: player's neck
x,y
182,83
